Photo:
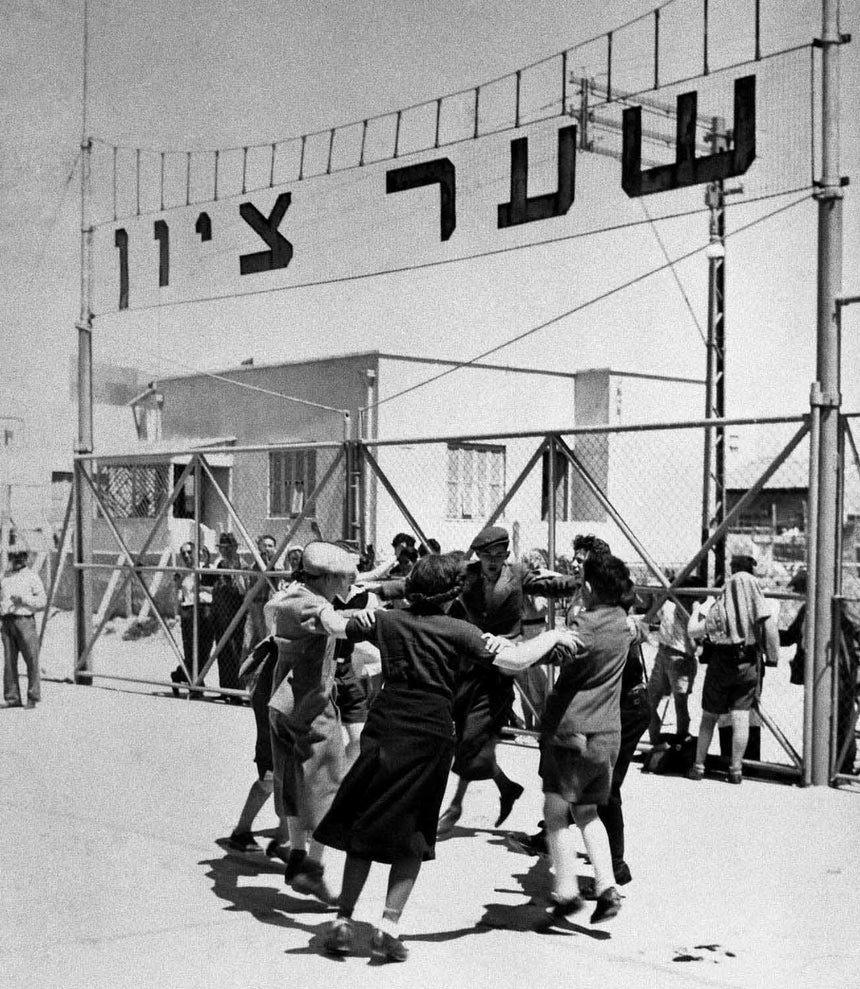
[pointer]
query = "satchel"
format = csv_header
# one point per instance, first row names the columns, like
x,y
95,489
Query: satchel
x,y
250,671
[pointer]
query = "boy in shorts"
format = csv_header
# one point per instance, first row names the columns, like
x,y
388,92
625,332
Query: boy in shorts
x,y
580,738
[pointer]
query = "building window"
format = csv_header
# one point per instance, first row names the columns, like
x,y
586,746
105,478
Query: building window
x,y
476,479
133,492
292,477
183,504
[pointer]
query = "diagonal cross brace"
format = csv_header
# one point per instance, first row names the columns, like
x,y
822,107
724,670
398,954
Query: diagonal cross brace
x,y
389,487
596,490
156,522
132,564
741,505
263,576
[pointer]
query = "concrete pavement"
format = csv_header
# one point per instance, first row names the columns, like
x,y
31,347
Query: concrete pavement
x,y
112,875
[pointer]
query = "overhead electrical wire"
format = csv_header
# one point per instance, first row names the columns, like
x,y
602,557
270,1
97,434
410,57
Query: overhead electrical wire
x,y
675,275
215,376
583,305
670,263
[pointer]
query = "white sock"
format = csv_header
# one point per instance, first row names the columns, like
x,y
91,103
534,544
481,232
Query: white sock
x,y
390,927
597,845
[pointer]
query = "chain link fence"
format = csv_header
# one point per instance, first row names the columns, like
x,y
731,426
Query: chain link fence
x,y
161,619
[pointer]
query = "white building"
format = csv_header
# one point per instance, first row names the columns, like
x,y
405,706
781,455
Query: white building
x,y
466,425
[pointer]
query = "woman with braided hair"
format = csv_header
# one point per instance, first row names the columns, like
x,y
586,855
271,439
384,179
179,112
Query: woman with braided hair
x,y
387,808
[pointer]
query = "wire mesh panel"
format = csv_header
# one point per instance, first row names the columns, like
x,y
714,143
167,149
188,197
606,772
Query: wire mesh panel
x,y
453,488
639,488
847,678
170,619
132,490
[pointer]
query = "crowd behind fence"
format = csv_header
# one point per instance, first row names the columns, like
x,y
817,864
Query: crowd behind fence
x,y
639,489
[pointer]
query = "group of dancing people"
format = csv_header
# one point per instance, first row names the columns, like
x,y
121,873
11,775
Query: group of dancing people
x,y
449,653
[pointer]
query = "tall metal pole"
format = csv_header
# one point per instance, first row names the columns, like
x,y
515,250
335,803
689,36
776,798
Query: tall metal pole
x,y
84,325
829,197
713,498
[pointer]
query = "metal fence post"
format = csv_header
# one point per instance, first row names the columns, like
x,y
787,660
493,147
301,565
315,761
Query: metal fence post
x,y
550,517
197,474
83,576
829,195
812,578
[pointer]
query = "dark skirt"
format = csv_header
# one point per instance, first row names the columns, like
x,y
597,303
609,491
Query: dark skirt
x,y
482,707
387,807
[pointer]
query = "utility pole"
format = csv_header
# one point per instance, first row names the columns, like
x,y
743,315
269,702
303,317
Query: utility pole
x,y
713,507
714,468
714,460
826,401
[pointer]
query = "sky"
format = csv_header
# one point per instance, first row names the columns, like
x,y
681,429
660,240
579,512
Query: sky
x,y
202,74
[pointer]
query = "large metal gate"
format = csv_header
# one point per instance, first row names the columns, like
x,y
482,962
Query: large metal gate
x,y
637,487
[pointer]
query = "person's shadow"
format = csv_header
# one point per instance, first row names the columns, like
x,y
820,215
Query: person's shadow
x,y
266,904
282,909
535,884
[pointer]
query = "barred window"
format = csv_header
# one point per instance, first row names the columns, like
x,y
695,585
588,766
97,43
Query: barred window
x,y
132,491
292,477
476,479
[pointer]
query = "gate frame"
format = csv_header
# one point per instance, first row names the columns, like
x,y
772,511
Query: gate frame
x,y
361,466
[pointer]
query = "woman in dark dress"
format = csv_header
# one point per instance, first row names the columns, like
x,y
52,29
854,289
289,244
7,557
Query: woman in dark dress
x,y
387,808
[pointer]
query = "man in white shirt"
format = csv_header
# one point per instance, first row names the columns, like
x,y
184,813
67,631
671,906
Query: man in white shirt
x,y
22,594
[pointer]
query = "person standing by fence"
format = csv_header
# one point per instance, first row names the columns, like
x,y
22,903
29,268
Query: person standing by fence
x,y
227,596
22,594
738,629
191,587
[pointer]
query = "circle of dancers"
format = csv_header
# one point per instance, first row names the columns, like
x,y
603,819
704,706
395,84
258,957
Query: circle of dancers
x,y
366,771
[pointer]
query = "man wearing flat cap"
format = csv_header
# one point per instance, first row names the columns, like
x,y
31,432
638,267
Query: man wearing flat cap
x,y
493,599
307,743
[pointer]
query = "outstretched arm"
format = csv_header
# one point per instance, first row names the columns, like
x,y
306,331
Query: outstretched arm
x,y
513,657
337,623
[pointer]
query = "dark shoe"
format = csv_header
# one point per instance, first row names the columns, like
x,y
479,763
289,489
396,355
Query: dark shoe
x,y
448,821
608,905
12,704
275,850
385,948
509,796
696,773
310,879
295,861
243,841
622,873
736,776
560,910
587,888
527,844
339,937
31,704
177,676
